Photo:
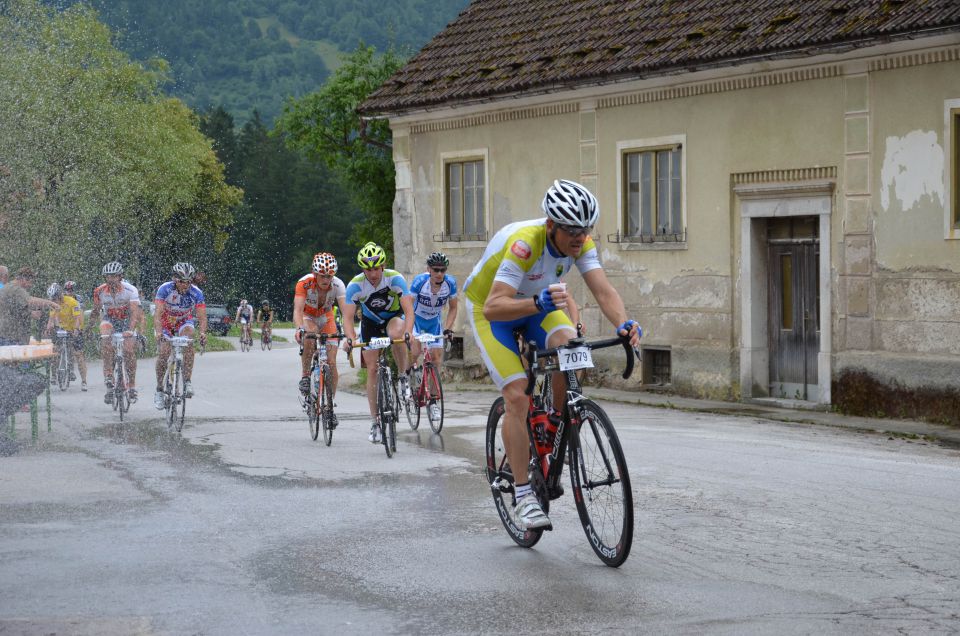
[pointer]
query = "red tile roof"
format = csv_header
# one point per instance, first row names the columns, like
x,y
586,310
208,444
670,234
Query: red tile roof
x,y
503,47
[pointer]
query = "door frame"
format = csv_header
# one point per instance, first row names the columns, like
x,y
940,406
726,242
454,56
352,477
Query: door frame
x,y
757,203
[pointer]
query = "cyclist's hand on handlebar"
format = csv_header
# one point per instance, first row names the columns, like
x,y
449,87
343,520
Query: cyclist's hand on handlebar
x,y
448,334
203,340
632,329
298,335
347,344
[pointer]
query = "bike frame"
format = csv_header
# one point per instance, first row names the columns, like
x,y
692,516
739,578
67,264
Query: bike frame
x,y
572,416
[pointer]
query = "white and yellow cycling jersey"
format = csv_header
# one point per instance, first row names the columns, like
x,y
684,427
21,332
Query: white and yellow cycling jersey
x,y
520,256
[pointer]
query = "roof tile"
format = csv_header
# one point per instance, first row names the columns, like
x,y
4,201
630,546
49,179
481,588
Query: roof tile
x,y
500,47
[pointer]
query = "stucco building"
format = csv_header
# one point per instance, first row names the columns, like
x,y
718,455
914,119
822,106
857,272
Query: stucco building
x,y
778,180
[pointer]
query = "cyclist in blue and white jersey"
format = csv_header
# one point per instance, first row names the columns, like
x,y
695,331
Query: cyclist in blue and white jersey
x,y
180,306
387,310
432,290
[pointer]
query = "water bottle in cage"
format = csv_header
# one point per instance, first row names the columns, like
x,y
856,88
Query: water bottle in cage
x,y
538,423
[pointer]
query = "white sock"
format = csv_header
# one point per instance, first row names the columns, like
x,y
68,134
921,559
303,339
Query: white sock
x,y
523,491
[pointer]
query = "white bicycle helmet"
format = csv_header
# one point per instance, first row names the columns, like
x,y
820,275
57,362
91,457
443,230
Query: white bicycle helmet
x,y
569,203
183,271
54,290
113,267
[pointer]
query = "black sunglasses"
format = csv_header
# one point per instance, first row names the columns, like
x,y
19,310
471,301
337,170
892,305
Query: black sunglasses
x,y
575,231
439,270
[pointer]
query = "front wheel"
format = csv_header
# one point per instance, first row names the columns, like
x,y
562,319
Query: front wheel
x,y
313,408
387,408
326,406
63,369
601,485
434,398
500,479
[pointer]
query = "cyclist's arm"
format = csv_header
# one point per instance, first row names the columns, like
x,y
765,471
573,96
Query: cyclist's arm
x,y
573,311
452,312
202,319
299,302
94,313
609,299
406,304
158,314
347,311
502,304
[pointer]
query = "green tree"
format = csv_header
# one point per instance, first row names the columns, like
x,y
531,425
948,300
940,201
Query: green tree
x,y
96,163
325,125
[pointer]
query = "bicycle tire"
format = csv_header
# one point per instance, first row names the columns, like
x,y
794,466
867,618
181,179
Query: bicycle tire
x,y
269,343
171,392
436,426
601,485
500,479
263,344
384,408
409,406
326,407
416,378
120,388
167,397
181,400
313,409
63,368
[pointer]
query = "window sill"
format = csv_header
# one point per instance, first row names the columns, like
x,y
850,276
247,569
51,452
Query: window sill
x,y
451,243
646,246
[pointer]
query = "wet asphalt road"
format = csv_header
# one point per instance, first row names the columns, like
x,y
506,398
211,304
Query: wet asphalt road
x,y
243,525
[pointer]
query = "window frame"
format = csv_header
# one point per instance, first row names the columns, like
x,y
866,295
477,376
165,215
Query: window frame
x,y
463,157
951,167
625,148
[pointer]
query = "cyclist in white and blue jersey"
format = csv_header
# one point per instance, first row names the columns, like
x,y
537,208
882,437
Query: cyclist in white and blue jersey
x,y
386,310
432,290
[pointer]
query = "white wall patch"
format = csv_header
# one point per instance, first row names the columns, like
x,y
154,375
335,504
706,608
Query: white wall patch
x,y
912,168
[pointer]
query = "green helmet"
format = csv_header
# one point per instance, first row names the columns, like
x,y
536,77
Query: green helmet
x,y
371,255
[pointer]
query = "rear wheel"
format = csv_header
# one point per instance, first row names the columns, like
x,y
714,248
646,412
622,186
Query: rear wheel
x,y
326,406
501,480
601,485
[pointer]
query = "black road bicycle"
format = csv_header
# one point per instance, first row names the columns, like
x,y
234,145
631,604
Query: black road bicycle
x,y
388,399
585,435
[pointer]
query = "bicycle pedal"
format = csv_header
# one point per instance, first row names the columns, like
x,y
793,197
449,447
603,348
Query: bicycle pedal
x,y
501,484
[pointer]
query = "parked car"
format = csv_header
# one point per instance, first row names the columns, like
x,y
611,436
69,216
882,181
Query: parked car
x,y
218,319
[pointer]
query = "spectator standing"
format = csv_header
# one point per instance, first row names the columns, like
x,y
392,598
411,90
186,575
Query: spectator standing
x,y
16,307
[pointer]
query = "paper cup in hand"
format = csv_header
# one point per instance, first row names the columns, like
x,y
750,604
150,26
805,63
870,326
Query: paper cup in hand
x,y
559,287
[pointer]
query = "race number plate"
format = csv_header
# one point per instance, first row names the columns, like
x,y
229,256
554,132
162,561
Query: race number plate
x,y
379,343
577,358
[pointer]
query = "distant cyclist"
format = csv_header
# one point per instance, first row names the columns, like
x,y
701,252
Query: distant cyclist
x,y
180,306
244,318
119,302
265,318
314,299
386,310
69,318
432,290
517,285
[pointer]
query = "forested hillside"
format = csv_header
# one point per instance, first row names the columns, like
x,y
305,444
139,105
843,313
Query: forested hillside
x,y
248,55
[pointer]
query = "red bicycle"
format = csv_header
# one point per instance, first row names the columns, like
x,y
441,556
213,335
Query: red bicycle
x,y
426,388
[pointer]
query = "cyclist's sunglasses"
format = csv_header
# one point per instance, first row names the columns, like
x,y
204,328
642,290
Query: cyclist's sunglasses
x,y
574,230
324,275
183,280
370,263
439,270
